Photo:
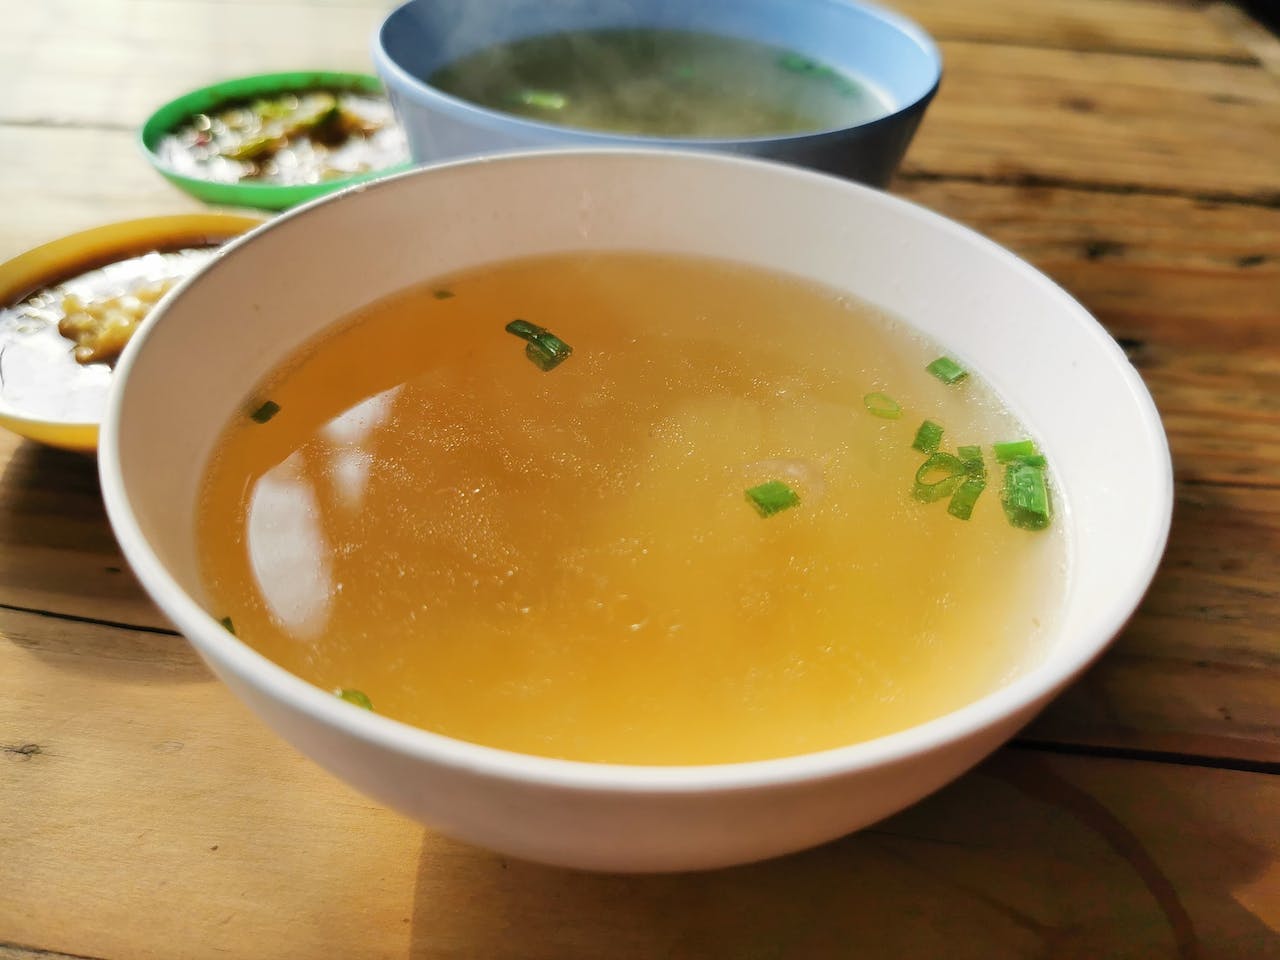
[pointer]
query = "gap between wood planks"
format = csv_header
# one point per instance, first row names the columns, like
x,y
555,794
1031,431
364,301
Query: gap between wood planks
x,y
1235,60
1268,200
1096,751
18,951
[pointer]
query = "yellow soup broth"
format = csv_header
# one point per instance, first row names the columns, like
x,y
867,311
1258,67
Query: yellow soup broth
x,y
565,562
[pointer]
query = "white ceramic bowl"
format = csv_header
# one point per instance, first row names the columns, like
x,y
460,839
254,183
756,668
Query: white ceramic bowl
x,y
225,329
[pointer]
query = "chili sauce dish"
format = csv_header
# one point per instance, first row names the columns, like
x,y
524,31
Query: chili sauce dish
x,y
275,140
68,309
662,511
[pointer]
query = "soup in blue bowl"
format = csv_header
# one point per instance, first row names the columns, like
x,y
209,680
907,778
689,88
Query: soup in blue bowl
x,y
834,85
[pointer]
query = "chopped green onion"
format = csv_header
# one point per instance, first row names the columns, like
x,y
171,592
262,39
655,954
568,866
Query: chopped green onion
x,y
525,330
1035,460
843,84
1012,449
971,456
938,477
795,63
928,437
882,405
545,358
772,497
544,348
961,505
947,370
1026,496
228,625
544,99
442,294
358,697
265,412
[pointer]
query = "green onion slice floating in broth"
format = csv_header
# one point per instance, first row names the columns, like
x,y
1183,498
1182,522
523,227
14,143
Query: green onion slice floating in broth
x,y
947,370
962,501
938,477
265,412
772,497
1013,449
1026,495
357,697
544,348
928,437
882,405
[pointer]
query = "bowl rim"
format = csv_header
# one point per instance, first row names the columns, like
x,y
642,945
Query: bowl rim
x,y
44,264
407,84
165,118
1024,693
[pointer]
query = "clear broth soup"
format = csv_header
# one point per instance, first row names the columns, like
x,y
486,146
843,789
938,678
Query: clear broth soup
x,y
662,83
570,562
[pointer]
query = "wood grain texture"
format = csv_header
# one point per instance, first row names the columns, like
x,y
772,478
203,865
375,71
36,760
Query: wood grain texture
x,y
1004,111
1126,147
1016,112
63,56
1197,670
56,181
160,797
1152,26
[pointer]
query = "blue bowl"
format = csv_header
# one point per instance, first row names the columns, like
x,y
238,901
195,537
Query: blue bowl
x,y
874,45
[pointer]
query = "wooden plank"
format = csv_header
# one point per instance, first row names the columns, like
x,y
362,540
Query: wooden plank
x,y
57,181
64,57
1179,272
1012,113
1003,112
1153,26
1197,670
1191,288
57,552
159,797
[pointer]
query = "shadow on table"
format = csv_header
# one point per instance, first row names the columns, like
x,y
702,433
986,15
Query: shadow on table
x,y
65,583
1018,859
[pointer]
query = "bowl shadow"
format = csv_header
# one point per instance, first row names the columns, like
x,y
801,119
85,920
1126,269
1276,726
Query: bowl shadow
x,y
1013,860
66,593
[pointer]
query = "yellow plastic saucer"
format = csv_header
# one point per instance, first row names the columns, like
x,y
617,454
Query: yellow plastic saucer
x,y
61,259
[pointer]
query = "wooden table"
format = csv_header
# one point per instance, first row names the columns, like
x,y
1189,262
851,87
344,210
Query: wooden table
x,y
1129,148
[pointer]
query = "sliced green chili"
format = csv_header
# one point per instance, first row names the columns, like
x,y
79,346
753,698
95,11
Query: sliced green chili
x,y
772,497
928,437
795,63
357,697
544,99
882,405
228,625
265,412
